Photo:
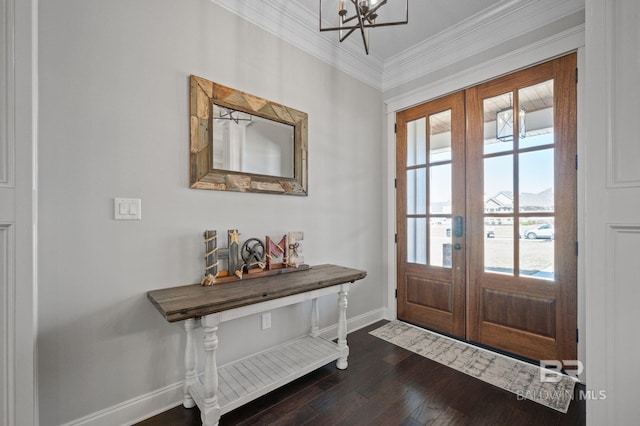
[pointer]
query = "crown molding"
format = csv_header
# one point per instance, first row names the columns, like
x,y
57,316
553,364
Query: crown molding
x,y
300,27
540,51
508,20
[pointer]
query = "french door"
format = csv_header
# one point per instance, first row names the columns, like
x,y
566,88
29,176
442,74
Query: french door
x,y
486,208
431,200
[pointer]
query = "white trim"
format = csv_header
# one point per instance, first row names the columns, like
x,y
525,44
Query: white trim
x,y
148,405
475,34
391,312
597,103
7,138
23,113
7,221
556,45
7,333
582,212
616,137
136,409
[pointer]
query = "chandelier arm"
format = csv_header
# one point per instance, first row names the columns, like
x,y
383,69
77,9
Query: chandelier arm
x,y
364,37
349,19
384,24
351,30
366,18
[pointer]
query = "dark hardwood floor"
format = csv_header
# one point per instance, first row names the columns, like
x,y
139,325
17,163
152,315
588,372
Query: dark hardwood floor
x,y
384,385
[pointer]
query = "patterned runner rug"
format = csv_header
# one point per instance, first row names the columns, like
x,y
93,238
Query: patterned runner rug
x,y
521,378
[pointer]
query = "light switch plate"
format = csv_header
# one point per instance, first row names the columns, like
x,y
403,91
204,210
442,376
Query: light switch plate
x,y
266,320
127,209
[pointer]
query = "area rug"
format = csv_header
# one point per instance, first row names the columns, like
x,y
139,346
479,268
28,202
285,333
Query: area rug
x,y
515,376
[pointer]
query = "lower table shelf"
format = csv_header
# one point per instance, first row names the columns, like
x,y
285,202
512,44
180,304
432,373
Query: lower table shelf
x,y
251,377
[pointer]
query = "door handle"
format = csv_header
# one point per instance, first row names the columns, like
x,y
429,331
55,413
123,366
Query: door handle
x,y
458,226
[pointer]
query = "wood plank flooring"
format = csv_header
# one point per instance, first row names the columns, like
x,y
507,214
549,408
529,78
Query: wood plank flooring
x,y
384,385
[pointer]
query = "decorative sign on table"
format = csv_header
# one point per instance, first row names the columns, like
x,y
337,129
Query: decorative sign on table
x,y
252,259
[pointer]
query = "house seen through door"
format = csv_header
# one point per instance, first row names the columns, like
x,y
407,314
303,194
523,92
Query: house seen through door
x,y
486,212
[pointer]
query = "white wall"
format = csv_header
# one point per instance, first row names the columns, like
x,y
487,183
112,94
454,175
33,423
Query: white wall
x,y
114,112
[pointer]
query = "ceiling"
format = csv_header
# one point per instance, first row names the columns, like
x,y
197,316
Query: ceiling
x,y
439,33
426,19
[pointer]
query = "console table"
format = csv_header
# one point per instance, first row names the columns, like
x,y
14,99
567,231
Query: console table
x,y
227,387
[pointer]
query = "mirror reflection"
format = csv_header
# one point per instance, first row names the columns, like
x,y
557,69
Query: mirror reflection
x,y
248,143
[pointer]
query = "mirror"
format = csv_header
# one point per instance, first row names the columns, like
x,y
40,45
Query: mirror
x,y
251,144
240,142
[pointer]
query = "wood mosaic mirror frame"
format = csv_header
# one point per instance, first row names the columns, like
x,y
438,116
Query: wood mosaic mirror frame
x,y
203,95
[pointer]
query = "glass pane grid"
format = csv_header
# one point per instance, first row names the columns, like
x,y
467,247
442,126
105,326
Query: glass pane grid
x,y
440,137
498,245
440,242
417,191
417,142
417,240
537,247
498,123
519,182
535,115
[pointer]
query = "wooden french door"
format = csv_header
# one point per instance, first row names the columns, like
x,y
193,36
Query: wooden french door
x,y
430,211
511,280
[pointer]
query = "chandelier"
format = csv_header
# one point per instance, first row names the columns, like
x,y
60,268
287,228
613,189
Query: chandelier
x,y
349,16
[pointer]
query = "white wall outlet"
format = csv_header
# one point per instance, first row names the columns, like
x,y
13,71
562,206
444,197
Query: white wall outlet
x,y
266,320
127,209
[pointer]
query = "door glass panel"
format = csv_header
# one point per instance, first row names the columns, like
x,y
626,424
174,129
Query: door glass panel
x,y
417,240
417,191
440,137
498,245
535,113
440,189
417,142
440,242
536,181
537,247
498,184
498,123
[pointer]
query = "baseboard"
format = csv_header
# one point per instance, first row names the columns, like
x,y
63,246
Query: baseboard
x,y
158,401
135,409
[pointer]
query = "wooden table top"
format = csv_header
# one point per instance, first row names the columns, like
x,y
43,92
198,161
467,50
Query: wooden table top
x,y
190,301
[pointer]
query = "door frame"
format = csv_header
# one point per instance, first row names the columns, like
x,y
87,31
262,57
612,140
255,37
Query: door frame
x,y
524,57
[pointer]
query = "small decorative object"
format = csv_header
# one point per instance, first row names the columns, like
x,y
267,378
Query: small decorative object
x,y
214,254
233,256
253,258
210,257
276,251
252,253
296,256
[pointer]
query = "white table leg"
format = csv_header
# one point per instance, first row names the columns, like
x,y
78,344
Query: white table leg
x,y
342,328
210,413
190,363
315,318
